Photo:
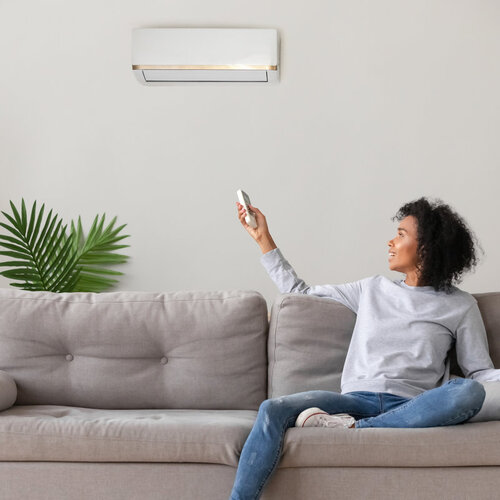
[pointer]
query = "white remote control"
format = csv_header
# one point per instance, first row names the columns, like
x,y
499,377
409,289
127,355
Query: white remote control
x,y
244,199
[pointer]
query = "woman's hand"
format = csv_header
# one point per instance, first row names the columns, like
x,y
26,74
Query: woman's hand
x,y
261,233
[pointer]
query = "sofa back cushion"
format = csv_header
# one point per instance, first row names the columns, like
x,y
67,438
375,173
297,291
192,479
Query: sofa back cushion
x,y
309,337
184,349
489,305
308,341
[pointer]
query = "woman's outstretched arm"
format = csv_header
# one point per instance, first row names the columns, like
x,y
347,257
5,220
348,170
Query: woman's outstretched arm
x,y
287,281
283,274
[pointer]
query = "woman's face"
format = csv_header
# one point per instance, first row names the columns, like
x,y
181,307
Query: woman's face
x,y
404,247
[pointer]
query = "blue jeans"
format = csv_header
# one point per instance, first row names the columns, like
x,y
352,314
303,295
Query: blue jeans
x,y
452,403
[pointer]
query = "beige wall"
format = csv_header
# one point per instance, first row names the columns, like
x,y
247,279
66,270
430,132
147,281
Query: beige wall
x,y
379,103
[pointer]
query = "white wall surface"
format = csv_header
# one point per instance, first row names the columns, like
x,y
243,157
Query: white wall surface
x,y
379,103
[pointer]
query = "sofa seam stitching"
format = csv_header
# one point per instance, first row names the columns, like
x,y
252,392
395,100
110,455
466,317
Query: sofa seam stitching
x,y
116,301
97,438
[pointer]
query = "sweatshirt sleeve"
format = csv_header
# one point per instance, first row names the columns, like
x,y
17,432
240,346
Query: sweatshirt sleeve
x,y
472,347
283,274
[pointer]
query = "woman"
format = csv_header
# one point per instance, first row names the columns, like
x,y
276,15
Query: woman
x,y
395,373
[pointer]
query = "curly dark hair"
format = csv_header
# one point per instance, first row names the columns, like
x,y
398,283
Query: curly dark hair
x,y
446,245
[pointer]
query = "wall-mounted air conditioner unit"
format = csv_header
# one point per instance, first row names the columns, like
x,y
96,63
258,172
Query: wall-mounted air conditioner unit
x,y
166,56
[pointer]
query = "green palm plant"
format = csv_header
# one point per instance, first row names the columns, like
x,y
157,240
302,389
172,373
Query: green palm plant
x,y
48,259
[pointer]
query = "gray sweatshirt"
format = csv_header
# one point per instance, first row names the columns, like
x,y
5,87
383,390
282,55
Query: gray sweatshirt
x,y
402,333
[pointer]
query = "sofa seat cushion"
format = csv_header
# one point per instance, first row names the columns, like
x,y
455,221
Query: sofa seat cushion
x,y
468,444
64,433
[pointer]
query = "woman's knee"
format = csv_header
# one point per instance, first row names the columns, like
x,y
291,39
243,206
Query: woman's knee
x,y
281,406
473,391
268,405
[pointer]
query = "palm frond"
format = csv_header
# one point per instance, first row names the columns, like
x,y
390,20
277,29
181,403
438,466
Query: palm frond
x,y
50,260
96,252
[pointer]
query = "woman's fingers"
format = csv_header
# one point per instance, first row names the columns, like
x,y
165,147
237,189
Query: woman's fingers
x,y
242,213
241,210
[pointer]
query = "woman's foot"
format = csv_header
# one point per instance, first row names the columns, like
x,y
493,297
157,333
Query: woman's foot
x,y
316,417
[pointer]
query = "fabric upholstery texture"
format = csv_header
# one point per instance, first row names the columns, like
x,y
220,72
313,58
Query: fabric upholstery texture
x,y
59,433
449,446
8,391
185,349
189,481
307,346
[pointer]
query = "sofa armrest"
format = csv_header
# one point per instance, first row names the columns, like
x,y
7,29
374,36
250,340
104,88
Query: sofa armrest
x,y
8,391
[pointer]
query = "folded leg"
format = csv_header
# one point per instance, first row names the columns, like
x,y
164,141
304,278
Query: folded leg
x,y
452,403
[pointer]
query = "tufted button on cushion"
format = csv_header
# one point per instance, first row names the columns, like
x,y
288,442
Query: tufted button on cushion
x,y
163,360
69,357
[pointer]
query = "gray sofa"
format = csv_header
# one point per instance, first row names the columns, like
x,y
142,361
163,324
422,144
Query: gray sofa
x,y
142,395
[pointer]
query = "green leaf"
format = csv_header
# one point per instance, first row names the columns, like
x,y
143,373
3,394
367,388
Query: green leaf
x,y
110,247
9,238
70,285
78,240
19,255
29,286
14,247
47,229
51,260
18,218
97,270
63,251
13,230
88,279
32,221
104,259
112,240
92,234
109,228
80,231
23,216
51,247
19,274
20,285
67,264
117,230
37,226
74,240
67,273
20,263
99,229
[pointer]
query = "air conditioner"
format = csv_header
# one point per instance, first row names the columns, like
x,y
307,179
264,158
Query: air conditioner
x,y
166,56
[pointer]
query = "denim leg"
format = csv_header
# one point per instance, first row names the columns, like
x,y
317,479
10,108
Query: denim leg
x,y
452,403
262,450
